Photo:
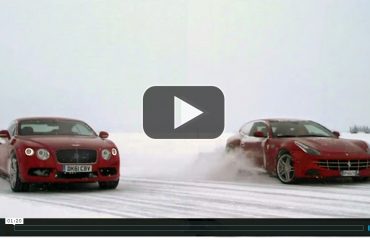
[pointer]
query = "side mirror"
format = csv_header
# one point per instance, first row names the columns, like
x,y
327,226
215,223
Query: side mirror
x,y
4,134
259,134
336,134
103,135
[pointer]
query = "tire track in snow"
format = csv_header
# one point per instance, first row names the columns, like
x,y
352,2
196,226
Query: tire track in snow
x,y
318,206
138,197
355,207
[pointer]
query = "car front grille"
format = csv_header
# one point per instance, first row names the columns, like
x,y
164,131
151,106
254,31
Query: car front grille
x,y
76,156
344,164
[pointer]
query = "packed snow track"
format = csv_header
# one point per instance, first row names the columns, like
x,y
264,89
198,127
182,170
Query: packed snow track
x,y
143,198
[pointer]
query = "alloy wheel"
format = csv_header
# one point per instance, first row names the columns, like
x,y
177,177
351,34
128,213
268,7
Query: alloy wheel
x,y
285,169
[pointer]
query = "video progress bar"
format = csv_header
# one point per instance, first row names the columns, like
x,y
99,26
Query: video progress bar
x,y
189,228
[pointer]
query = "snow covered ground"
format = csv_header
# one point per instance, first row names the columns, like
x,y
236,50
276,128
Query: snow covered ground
x,y
190,178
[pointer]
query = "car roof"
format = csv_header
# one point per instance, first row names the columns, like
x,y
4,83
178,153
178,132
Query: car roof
x,y
283,120
45,118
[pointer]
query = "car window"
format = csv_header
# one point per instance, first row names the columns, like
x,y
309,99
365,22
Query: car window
x,y
54,127
38,128
11,129
299,129
315,130
81,129
288,128
259,127
245,129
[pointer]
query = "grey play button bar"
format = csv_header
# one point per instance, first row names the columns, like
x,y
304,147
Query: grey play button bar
x,y
173,112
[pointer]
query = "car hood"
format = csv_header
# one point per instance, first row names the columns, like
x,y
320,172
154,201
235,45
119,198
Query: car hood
x,y
65,142
333,145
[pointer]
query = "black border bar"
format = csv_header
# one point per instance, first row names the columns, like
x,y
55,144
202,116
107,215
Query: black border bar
x,y
187,227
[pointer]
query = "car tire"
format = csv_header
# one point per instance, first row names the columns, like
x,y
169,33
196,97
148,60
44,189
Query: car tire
x,y
360,179
285,168
108,185
16,183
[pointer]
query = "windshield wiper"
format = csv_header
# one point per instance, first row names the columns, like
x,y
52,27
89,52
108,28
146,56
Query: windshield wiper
x,y
286,136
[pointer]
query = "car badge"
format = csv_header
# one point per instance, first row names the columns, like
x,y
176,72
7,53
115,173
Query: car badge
x,y
76,145
347,154
76,156
349,163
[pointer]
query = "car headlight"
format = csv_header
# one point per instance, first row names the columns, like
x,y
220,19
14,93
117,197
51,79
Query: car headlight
x,y
29,152
106,154
43,154
307,149
114,152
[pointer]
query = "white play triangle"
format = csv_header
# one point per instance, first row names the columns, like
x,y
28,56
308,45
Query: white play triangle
x,y
184,112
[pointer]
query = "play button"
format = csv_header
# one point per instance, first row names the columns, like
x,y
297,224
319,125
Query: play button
x,y
172,112
184,112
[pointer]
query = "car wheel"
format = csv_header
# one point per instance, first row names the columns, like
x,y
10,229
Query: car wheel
x,y
285,168
108,185
360,179
15,182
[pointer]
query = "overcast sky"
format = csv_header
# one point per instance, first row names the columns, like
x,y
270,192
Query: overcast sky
x,y
93,60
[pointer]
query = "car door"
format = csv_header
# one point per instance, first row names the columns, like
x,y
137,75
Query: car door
x,y
5,149
254,146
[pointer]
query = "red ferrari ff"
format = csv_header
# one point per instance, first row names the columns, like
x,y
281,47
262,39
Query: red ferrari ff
x,y
57,150
294,149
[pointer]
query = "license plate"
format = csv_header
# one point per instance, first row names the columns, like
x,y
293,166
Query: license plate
x,y
349,173
77,168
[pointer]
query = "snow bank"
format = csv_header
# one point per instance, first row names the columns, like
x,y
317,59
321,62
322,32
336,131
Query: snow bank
x,y
361,136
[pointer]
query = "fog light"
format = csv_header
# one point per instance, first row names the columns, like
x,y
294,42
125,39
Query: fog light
x,y
39,172
313,172
108,171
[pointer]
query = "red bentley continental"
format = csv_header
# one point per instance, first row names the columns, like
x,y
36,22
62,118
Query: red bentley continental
x,y
57,150
294,149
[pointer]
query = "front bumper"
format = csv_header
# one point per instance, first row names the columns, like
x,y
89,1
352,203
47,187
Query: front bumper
x,y
330,165
52,172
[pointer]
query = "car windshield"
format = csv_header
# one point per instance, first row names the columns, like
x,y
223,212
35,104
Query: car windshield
x,y
299,129
54,127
